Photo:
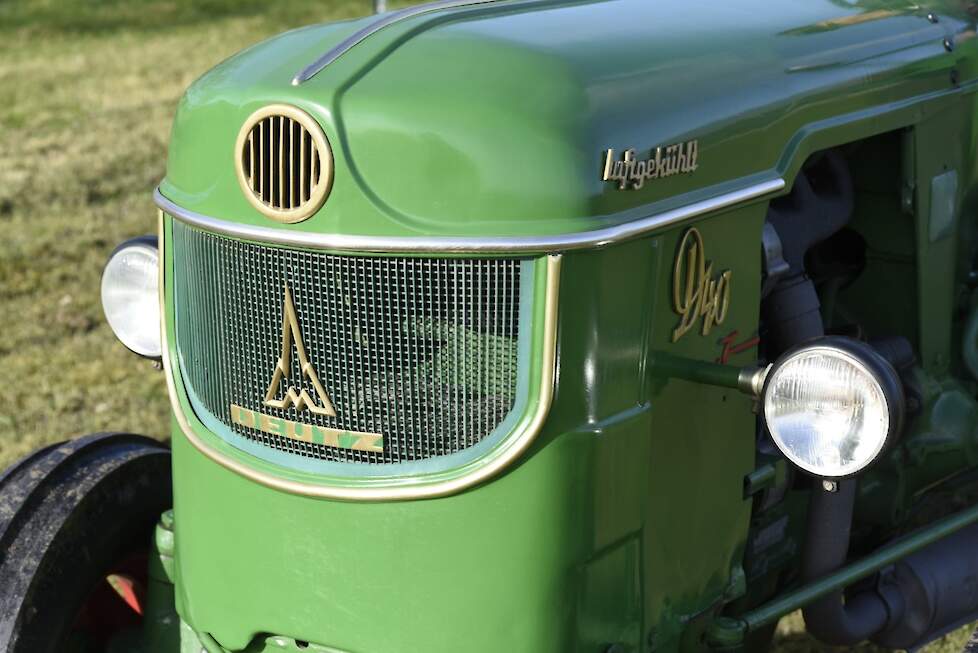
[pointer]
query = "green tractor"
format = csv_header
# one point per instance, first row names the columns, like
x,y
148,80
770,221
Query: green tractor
x,y
539,326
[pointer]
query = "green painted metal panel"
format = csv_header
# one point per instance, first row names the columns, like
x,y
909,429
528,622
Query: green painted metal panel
x,y
493,120
626,520
941,147
601,501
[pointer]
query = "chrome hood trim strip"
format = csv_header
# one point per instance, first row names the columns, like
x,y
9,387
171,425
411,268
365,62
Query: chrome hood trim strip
x,y
386,20
492,244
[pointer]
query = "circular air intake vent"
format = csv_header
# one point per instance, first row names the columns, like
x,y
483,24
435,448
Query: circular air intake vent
x,y
284,163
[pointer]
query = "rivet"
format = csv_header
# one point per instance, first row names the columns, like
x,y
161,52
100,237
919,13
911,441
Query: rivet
x,y
830,486
948,45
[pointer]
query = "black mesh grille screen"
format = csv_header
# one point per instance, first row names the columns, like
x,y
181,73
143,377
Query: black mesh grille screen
x,y
422,351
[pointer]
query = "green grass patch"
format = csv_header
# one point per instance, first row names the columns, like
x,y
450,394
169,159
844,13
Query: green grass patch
x,y
88,93
68,17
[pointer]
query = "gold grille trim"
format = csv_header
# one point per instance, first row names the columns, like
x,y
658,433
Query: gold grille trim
x,y
284,163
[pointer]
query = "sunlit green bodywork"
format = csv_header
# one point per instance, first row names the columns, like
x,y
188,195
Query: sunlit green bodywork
x,y
627,521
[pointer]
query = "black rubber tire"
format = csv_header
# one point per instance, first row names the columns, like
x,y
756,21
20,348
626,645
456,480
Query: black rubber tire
x,y
68,513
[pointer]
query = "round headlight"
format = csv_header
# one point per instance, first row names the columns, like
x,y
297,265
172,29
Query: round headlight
x,y
130,295
833,406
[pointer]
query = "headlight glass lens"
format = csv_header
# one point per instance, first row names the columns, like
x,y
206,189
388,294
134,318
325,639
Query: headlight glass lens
x,y
130,299
826,412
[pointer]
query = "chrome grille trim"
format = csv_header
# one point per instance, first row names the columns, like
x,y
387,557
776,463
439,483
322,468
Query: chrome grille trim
x,y
457,479
490,244
547,282
421,350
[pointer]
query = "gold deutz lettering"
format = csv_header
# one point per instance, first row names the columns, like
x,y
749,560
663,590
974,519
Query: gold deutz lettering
x,y
298,431
300,399
695,293
307,432
243,416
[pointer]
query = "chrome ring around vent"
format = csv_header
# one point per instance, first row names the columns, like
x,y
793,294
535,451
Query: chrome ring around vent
x,y
284,163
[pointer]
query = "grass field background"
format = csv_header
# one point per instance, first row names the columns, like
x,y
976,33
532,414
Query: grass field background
x,y
87,94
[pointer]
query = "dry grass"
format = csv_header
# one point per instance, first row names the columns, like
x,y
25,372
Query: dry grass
x,y
85,115
87,92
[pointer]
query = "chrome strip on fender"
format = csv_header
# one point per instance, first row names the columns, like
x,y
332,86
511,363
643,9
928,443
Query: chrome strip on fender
x,y
386,20
503,244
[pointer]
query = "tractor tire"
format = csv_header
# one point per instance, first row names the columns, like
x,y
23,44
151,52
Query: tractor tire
x,y
71,515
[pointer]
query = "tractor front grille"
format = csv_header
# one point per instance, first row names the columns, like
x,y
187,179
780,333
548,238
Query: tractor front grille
x,y
422,352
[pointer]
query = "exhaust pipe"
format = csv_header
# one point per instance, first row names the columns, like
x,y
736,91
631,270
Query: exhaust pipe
x,y
938,588
834,620
919,599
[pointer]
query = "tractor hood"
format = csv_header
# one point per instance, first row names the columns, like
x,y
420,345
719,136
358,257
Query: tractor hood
x,y
507,118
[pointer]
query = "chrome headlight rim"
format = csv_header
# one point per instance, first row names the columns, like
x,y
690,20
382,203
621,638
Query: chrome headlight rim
x,y
150,244
867,360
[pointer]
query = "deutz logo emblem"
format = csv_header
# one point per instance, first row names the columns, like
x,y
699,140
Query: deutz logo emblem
x,y
292,397
695,292
299,398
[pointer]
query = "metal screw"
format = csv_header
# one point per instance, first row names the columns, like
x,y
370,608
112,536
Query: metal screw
x,y
830,486
948,45
932,18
